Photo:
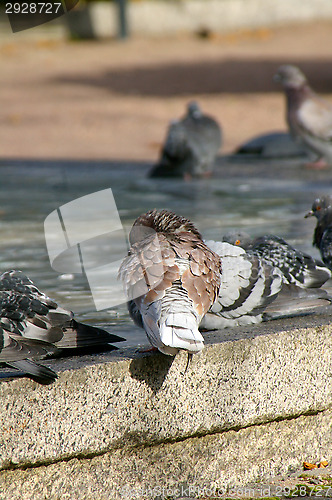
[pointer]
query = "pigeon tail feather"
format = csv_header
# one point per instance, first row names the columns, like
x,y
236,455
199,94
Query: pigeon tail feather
x,y
39,373
181,338
82,335
296,301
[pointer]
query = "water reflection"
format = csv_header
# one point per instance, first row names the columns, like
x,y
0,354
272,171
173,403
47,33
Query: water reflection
x,y
270,198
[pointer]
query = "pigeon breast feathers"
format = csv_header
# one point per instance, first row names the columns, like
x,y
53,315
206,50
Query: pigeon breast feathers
x,y
315,117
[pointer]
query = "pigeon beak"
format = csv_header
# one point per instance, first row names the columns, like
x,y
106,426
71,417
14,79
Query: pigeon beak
x,y
277,78
309,214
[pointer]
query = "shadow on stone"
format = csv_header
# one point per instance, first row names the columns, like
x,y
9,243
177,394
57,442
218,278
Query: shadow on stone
x,y
83,351
151,369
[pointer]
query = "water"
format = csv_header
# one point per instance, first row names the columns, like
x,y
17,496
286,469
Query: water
x,y
259,197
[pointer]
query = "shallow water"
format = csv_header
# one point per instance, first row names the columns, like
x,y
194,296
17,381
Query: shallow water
x,y
260,197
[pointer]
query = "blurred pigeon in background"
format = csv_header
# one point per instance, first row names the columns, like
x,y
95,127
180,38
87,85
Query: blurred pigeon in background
x,y
297,267
322,210
32,325
270,146
191,146
309,117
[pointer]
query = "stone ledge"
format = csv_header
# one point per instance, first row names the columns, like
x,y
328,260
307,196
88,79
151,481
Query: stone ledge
x,y
207,464
243,377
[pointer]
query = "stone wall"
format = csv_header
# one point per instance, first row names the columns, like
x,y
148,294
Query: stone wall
x,y
254,403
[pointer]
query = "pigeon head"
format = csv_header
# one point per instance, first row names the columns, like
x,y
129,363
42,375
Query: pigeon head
x,y
162,221
238,238
194,111
290,77
320,207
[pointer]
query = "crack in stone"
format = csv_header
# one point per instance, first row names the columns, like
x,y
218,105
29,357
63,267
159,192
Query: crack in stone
x,y
136,441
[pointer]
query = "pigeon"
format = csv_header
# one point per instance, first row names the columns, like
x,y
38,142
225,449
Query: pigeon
x,y
297,267
269,146
322,210
309,117
184,275
171,279
252,291
191,146
32,325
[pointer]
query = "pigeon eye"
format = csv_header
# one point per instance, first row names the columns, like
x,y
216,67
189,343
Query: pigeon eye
x,y
237,242
318,207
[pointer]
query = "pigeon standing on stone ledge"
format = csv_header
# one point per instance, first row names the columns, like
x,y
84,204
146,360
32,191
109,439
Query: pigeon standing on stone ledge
x,y
297,267
252,291
322,210
182,276
32,325
191,146
309,117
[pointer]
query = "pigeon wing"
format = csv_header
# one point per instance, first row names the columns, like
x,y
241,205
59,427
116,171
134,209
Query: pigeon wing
x,y
26,311
247,286
297,267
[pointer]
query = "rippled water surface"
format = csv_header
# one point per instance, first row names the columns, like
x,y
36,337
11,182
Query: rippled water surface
x,y
262,198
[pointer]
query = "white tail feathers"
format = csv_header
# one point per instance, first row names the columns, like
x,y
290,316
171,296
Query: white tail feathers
x,y
180,331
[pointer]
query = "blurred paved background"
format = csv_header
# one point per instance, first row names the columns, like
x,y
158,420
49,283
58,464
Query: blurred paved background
x,y
109,99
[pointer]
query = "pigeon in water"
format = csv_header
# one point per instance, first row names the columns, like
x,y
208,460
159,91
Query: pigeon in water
x,y
322,210
296,267
252,291
309,117
173,279
191,146
33,325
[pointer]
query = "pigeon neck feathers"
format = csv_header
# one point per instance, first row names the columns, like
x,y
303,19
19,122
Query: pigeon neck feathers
x,y
295,96
295,85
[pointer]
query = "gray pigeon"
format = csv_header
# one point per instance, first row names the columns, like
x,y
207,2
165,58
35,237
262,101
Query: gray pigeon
x,y
253,291
191,146
309,117
322,210
32,325
271,145
296,267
